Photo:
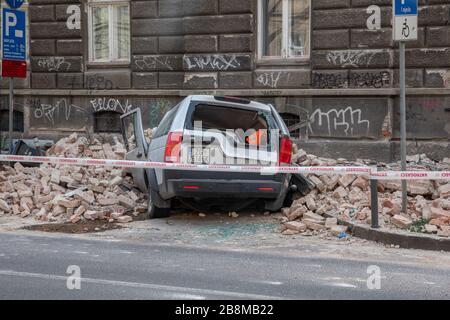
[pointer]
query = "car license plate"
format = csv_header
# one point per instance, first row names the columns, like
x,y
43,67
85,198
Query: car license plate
x,y
199,156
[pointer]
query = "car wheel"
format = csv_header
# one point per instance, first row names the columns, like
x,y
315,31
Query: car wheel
x,y
288,201
153,211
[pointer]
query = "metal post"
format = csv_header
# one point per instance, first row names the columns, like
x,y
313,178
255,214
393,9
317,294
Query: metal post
x,y
403,122
11,113
374,202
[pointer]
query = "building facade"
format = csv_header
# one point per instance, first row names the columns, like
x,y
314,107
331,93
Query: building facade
x,y
329,66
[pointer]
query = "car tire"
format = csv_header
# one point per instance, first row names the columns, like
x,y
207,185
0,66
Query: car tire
x,y
153,211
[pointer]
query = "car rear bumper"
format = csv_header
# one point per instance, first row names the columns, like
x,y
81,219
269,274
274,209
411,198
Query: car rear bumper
x,y
207,188
205,184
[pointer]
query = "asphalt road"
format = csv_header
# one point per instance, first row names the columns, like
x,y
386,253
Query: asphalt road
x,y
35,266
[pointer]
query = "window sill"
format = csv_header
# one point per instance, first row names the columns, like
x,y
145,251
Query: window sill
x,y
108,64
283,62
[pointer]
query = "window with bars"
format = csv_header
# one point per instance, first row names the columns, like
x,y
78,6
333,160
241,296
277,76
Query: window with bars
x,y
107,122
284,29
109,31
17,121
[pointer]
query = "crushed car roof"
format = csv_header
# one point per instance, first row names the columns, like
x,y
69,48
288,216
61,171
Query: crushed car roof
x,y
212,99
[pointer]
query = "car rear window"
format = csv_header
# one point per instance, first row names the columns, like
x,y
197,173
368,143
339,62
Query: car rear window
x,y
223,118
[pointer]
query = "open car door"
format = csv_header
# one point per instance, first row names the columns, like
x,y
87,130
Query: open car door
x,y
136,144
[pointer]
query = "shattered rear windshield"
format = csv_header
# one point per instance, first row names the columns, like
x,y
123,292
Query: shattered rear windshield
x,y
225,118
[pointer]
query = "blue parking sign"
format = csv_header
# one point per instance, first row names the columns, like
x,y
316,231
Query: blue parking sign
x,y
14,34
405,7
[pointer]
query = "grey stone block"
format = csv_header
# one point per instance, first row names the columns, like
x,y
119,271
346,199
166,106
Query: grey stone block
x,y
145,80
200,44
144,9
56,64
331,39
235,6
144,45
330,79
414,78
70,80
199,7
172,44
157,27
200,80
43,80
39,13
143,63
52,30
236,43
171,80
69,47
171,8
235,80
43,47
107,79
219,24
337,59
276,79
374,79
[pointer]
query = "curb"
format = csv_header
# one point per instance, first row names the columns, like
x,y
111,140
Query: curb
x,y
406,241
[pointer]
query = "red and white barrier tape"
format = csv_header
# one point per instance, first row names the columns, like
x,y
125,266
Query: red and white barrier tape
x,y
267,170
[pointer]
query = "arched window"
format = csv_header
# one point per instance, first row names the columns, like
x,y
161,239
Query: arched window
x,y
17,121
291,120
107,121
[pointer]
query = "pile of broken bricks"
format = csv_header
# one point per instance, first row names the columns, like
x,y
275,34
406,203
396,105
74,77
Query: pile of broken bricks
x,y
72,193
347,197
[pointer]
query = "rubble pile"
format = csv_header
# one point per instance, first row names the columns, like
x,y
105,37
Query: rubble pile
x,y
347,197
72,193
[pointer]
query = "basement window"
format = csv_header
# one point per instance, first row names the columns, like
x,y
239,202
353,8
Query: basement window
x,y
292,121
109,31
17,121
107,122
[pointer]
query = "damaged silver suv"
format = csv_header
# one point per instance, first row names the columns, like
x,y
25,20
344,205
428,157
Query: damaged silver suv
x,y
211,130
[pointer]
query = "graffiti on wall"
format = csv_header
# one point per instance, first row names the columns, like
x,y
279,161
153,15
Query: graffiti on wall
x,y
380,79
54,64
110,104
346,120
269,79
147,63
98,82
50,113
212,62
351,58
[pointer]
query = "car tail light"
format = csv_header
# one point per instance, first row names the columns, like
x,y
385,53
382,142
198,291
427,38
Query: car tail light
x,y
173,147
285,150
191,187
265,189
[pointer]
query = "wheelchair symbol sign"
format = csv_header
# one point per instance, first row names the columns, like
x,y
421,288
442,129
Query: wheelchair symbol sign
x,y
405,20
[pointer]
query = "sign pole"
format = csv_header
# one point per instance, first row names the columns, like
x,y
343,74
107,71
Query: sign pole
x,y
404,28
11,113
14,44
403,123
